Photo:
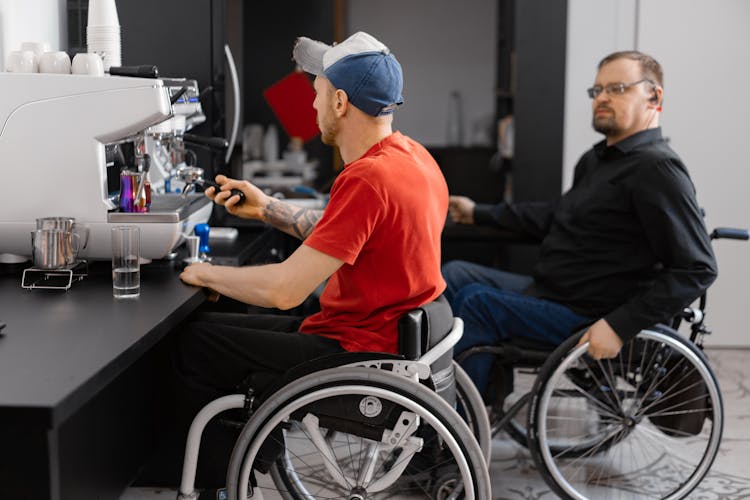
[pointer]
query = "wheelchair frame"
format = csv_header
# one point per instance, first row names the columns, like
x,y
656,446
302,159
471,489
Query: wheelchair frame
x,y
386,380
550,364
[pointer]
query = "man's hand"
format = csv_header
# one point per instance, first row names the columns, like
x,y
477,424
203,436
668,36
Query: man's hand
x,y
604,343
195,274
255,199
461,209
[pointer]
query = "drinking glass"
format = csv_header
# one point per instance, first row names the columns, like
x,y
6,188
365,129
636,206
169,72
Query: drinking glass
x,y
126,271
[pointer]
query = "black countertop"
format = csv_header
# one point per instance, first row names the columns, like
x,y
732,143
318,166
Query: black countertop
x,y
60,348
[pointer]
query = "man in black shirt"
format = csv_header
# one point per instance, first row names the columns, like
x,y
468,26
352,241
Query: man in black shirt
x,y
623,249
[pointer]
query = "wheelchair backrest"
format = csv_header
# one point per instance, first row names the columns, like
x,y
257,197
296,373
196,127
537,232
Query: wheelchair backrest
x,y
421,329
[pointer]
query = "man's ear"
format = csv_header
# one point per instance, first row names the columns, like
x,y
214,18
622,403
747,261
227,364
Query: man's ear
x,y
340,102
657,94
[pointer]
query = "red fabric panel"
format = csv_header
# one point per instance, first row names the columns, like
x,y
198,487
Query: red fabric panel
x,y
291,99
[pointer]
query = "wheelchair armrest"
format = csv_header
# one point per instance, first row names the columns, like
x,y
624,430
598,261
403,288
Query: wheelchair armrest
x,y
446,344
421,329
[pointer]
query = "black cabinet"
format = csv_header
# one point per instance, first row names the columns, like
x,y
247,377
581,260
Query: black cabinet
x,y
468,172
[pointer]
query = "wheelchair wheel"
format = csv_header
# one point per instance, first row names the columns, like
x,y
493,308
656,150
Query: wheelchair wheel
x,y
472,409
517,428
645,424
357,433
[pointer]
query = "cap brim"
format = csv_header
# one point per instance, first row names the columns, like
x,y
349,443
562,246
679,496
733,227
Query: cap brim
x,y
308,54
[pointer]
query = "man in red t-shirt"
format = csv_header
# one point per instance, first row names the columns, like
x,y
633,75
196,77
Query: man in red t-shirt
x,y
378,239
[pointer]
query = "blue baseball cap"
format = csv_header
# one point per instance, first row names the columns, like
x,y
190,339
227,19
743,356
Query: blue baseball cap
x,y
361,66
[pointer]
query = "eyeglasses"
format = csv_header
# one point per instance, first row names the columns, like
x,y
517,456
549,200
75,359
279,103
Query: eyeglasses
x,y
614,88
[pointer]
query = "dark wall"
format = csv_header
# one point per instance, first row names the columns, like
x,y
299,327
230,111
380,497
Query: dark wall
x,y
540,31
177,52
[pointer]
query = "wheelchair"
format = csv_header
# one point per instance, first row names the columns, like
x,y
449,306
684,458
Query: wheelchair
x,y
645,424
361,425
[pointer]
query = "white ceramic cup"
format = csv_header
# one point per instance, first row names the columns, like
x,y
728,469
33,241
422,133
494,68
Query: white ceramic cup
x,y
87,64
12,60
54,62
22,61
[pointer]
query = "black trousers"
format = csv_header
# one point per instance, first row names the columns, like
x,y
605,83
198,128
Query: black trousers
x,y
219,354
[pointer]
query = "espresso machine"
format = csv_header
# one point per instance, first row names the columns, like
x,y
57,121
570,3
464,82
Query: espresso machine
x,y
169,143
57,136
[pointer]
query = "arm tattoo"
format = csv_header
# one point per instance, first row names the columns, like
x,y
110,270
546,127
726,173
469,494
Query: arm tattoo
x,y
298,222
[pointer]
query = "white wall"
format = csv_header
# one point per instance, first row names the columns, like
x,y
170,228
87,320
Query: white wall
x,y
595,29
31,21
702,46
442,45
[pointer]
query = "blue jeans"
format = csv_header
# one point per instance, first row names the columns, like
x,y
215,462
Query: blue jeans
x,y
494,309
459,273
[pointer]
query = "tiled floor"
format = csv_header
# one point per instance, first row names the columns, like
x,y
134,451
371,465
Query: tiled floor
x,y
515,478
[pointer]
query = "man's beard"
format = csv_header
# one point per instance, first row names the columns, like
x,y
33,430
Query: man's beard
x,y
328,132
604,125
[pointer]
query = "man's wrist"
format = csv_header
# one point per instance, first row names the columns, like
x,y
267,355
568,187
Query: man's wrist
x,y
621,323
482,213
205,272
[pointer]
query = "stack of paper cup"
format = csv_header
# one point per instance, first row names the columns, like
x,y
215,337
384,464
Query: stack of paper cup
x,y
103,32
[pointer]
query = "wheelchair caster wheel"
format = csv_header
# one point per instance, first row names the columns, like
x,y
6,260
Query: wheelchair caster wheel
x,y
448,486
